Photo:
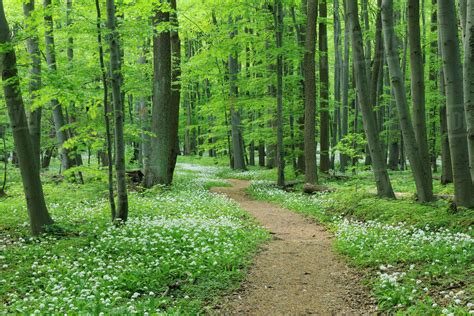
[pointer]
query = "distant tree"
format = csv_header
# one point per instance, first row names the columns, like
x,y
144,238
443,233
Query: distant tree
x,y
311,175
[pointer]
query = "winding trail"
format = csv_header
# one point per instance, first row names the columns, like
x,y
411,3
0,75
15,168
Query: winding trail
x,y
297,272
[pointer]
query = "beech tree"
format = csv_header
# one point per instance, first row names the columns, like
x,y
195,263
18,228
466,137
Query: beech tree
x,y
311,175
382,180
29,168
115,82
456,117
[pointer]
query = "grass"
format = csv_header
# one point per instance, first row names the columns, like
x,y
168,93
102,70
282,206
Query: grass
x,y
181,250
418,256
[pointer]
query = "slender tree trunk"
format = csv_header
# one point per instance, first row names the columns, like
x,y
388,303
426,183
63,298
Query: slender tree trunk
x,y
105,87
323,88
420,168
469,81
58,116
116,81
418,85
278,16
237,140
29,168
384,187
337,128
456,117
311,175
34,119
345,90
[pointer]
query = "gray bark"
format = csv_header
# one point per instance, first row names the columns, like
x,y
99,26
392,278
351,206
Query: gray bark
x,y
34,119
278,15
29,168
469,81
116,82
421,171
324,161
384,187
311,175
418,85
58,116
456,116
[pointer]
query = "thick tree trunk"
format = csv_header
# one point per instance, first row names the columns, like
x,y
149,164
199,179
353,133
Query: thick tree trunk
x,y
278,17
116,81
175,91
469,81
420,169
58,116
311,175
456,117
418,85
323,89
34,119
384,187
165,110
29,168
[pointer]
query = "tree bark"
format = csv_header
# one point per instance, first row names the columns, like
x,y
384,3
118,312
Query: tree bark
x,y
456,117
384,187
324,161
418,85
311,175
345,90
469,81
165,111
116,82
34,119
29,168
105,87
278,16
420,169
58,116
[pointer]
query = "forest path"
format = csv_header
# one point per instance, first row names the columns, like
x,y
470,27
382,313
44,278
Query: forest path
x,y
297,272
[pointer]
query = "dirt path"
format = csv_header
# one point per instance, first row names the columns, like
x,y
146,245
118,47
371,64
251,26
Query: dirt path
x,y
297,273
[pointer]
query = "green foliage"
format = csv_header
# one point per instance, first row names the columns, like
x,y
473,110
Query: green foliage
x,y
418,258
182,248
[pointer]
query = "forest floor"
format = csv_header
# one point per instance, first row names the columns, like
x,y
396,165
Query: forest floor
x,y
297,272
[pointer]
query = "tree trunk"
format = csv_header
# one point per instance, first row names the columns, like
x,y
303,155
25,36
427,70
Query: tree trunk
x,y
58,116
278,17
384,187
456,117
116,81
29,168
420,168
345,90
324,161
165,110
105,87
237,140
418,85
469,81
34,119
311,175
261,154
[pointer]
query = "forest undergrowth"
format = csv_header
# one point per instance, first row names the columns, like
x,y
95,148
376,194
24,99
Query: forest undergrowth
x,y
417,257
180,250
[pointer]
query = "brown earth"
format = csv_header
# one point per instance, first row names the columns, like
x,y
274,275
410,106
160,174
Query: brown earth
x,y
297,272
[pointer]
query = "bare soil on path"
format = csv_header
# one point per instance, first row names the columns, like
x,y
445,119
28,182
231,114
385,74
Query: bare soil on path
x,y
297,272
